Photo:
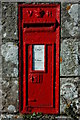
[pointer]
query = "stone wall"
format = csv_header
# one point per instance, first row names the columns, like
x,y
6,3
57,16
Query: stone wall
x,y
69,66
69,59
0,65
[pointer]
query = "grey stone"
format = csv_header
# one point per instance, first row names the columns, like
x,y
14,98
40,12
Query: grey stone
x,y
9,29
79,70
69,20
79,48
78,29
79,12
69,53
9,69
9,51
10,94
0,93
9,9
70,57
11,117
73,30
79,92
69,65
64,118
1,100
0,60
9,20
68,92
0,27
11,108
79,59
0,68
69,46
0,39
73,12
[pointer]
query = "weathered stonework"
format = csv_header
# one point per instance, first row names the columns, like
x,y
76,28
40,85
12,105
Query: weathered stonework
x,y
79,58
9,20
69,20
79,19
69,54
0,96
68,92
45,117
9,9
69,45
0,64
9,51
69,65
69,42
10,99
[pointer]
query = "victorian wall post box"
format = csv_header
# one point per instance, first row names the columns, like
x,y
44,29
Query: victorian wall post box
x,y
39,41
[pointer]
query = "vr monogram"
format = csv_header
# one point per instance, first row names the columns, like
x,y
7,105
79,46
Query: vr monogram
x,y
39,13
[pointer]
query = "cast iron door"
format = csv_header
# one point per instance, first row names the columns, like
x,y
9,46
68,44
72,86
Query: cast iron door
x,y
39,27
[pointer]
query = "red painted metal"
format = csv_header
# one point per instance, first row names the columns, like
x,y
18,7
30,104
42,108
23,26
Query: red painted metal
x,y
39,24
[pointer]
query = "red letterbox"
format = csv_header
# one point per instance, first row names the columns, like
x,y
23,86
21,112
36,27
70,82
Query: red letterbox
x,y
39,40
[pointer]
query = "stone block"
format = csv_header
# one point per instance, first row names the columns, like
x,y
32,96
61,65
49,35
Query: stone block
x,y
0,27
68,92
9,52
0,60
44,117
0,97
0,68
69,20
79,59
79,12
69,63
69,45
9,20
9,9
11,117
0,39
10,97
79,70
9,27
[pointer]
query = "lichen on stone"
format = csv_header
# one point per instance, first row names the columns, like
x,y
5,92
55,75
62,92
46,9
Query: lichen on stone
x,y
69,54
69,19
73,12
11,108
10,52
68,92
73,30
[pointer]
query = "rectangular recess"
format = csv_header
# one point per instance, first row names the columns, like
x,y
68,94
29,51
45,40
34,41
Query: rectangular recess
x,y
38,57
